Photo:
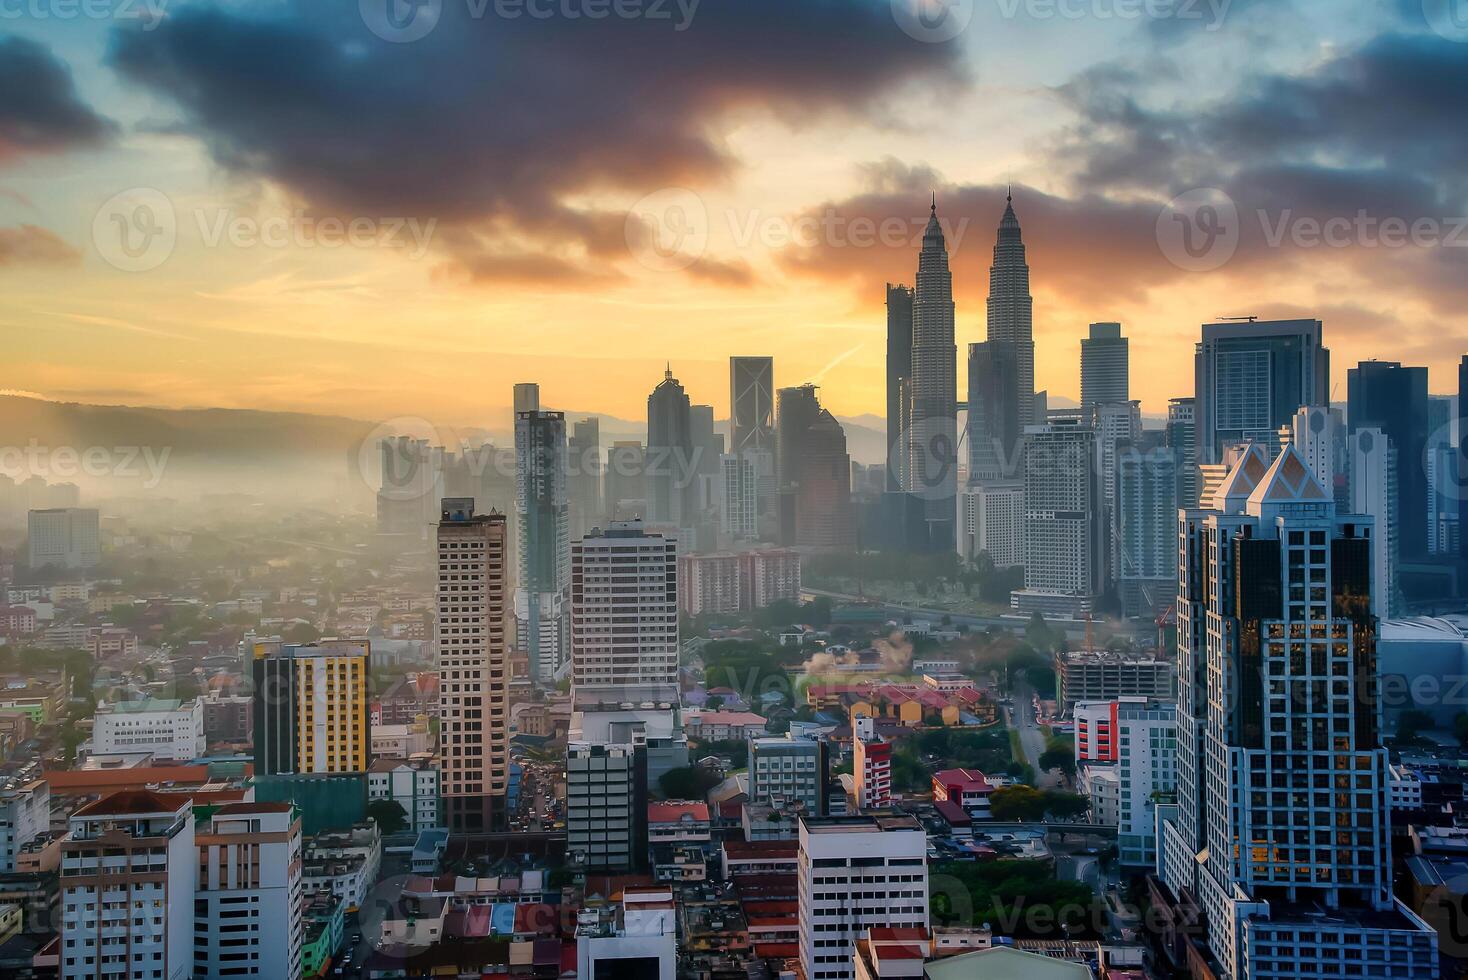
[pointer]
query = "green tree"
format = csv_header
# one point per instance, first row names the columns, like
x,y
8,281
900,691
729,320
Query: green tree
x,y
390,816
688,783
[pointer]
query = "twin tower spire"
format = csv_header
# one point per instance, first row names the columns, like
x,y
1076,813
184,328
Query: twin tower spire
x,y
925,444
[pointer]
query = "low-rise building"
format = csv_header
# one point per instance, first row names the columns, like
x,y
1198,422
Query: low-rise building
x,y
636,938
723,726
411,783
966,787
171,730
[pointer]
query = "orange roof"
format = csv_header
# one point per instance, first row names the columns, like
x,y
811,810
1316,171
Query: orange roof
x,y
674,811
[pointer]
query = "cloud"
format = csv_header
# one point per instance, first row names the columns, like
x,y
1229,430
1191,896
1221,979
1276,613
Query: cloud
x,y
32,245
40,111
507,127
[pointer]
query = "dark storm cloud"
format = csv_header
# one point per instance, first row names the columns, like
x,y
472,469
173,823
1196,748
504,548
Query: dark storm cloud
x,y
498,124
40,111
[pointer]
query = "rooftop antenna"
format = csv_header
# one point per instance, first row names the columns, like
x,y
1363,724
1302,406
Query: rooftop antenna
x,y
1238,319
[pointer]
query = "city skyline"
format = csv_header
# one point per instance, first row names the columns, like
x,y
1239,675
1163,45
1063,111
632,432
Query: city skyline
x,y
368,327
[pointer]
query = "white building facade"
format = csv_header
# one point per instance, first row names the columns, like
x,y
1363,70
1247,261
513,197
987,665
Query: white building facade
x,y
173,731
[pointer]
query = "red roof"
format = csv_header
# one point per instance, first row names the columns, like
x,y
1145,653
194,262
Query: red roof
x,y
888,934
674,811
128,803
964,780
777,951
952,813
741,850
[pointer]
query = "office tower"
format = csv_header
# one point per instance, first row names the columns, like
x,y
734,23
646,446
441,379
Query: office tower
x,y
1105,366
636,939
583,476
626,481
624,608
25,813
1387,396
823,512
1460,478
311,707
1441,462
798,410
786,769
1011,309
741,500
543,539
1118,425
63,537
994,445
247,902
751,404
1282,832
932,458
1318,433
669,454
1251,378
1146,736
606,806
1374,492
473,667
708,446
1064,565
856,874
1182,443
871,765
127,889
527,398
992,521
411,482
1146,530
899,376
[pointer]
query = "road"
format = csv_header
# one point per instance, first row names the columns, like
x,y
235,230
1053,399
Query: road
x,y
1021,717
1071,628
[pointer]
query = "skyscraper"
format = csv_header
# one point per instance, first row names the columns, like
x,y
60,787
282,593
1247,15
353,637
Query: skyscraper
x,y
798,408
1011,309
1319,433
708,447
1282,833
1374,493
933,432
311,707
740,507
626,481
1182,442
823,513
1251,378
899,376
1146,530
751,403
624,608
473,667
543,539
583,477
1064,554
993,411
670,484
1105,366
1387,396
1460,477
63,537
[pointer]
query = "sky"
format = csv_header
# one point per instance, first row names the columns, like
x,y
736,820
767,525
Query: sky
x,y
388,208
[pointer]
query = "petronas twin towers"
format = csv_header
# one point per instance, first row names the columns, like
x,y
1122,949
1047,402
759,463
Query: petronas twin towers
x,y
922,370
